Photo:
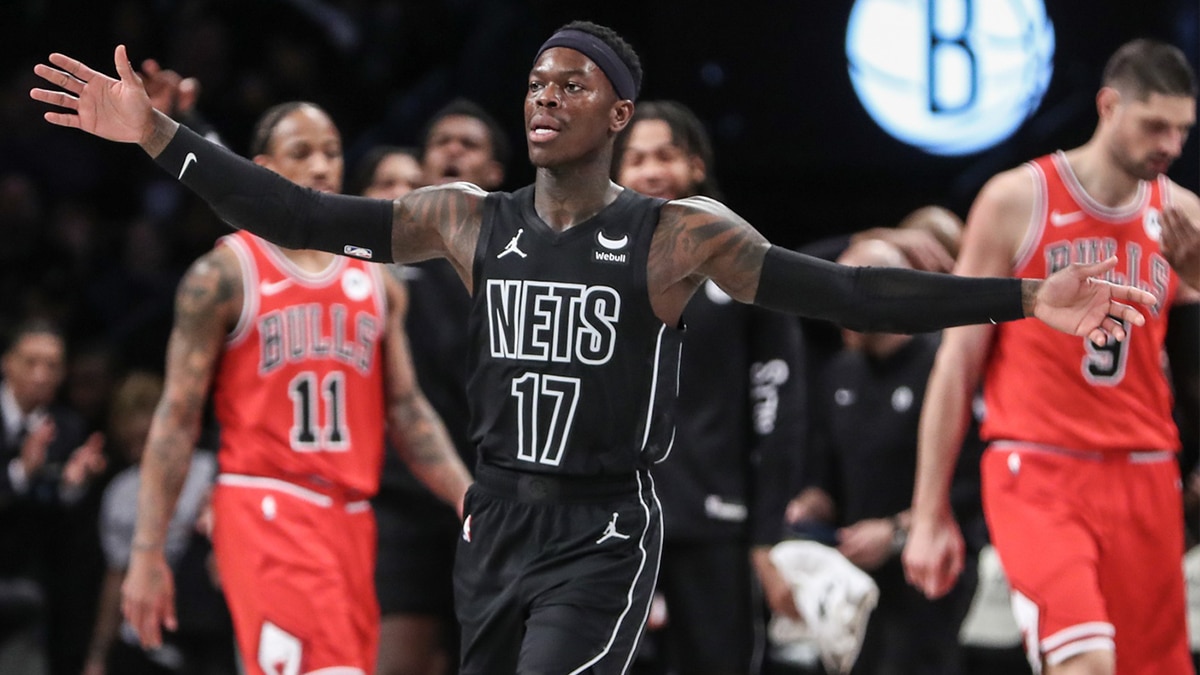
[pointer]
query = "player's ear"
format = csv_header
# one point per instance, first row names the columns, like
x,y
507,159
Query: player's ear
x,y
620,114
697,170
1107,100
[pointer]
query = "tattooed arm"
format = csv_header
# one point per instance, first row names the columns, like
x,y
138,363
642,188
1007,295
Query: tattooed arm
x,y
415,429
206,305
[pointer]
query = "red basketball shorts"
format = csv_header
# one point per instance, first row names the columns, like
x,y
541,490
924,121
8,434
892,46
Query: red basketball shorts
x,y
297,570
1092,544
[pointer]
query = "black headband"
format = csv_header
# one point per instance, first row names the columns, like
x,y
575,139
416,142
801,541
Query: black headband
x,y
600,53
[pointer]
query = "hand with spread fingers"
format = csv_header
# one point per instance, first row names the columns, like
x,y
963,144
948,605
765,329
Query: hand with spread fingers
x,y
1181,245
116,110
1078,301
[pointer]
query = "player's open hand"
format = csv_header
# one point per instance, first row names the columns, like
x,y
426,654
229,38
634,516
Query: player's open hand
x,y
1078,301
934,555
148,596
1181,245
118,110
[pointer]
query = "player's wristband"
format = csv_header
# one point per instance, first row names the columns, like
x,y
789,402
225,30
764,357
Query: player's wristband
x,y
882,299
252,198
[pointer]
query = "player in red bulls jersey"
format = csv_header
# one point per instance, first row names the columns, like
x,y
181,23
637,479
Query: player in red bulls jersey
x,y
1081,486
305,357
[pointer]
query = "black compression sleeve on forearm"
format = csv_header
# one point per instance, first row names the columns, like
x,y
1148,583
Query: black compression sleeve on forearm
x,y
252,198
882,299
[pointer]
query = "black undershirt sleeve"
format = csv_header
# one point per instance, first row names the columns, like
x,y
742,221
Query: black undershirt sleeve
x,y
882,299
252,198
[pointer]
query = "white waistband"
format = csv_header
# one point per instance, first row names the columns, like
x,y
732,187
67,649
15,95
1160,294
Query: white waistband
x,y
1132,456
298,491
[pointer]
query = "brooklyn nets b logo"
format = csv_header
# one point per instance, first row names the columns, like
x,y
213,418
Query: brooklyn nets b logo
x,y
950,76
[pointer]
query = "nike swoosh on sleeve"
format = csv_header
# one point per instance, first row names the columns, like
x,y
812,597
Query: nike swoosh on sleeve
x,y
187,161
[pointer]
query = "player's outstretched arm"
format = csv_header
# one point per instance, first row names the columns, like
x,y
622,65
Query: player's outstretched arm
x,y
438,222
701,238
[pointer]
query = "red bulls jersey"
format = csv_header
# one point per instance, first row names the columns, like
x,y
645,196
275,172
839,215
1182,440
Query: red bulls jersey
x,y
1044,386
298,393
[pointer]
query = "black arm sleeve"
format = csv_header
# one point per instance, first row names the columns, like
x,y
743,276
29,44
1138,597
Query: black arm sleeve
x,y
882,299
249,197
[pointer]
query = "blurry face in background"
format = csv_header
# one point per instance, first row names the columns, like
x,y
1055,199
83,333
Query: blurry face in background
x,y
306,149
34,368
459,147
654,165
396,175
134,402
131,433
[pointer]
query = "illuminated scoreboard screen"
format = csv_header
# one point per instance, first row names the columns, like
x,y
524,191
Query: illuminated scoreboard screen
x,y
833,116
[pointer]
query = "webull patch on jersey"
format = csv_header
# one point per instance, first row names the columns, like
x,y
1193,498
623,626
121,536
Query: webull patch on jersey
x,y
609,257
611,250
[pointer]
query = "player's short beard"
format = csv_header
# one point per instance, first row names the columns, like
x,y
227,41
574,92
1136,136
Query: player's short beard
x,y
1138,169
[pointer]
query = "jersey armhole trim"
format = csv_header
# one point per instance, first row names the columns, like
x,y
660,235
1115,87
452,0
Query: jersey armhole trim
x,y
249,289
1037,217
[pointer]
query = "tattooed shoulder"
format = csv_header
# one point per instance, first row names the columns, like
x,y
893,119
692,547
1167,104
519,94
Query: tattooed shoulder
x,y
211,287
694,231
438,219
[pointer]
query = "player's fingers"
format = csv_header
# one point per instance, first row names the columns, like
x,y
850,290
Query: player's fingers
x,y
1098,269
58,77
124,67
170,622
943,260
1132,294
151,67
138,616
914,573
1115,328
1122,312
74,67
58,98
1098,337
62,119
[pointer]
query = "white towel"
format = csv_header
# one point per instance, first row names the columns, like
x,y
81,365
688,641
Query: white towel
x,y
835,599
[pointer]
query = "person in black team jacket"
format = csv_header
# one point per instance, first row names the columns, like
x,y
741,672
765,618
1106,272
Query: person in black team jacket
x,y
578,286
417,532
739,371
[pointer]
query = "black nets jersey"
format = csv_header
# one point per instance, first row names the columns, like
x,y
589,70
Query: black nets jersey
x,y
571,372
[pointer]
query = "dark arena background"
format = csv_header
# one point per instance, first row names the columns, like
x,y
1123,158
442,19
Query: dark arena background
x,y
797,153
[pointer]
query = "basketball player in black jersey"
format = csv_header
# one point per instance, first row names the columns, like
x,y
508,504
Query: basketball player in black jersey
x,y
578,286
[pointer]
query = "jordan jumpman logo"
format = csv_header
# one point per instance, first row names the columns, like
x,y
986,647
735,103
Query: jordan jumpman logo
x,y
512,246
610,532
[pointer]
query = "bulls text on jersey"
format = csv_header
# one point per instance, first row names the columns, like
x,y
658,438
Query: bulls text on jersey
x,y
301,332
1155,277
